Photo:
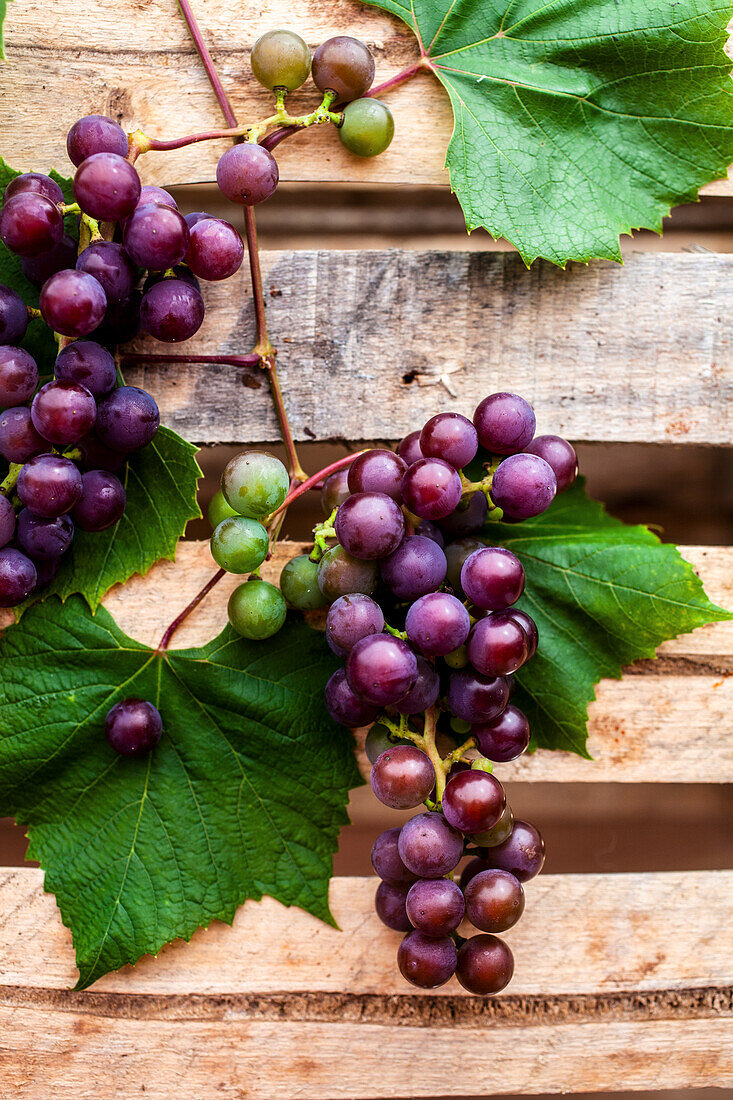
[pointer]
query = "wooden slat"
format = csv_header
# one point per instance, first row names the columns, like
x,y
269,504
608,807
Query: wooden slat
x,y
373,343
137,63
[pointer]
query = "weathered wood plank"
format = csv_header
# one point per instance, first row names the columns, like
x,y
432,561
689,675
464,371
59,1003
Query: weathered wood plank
x,y
373,343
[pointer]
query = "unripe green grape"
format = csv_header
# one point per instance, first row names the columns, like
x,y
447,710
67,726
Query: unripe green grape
x,y
379,739
368,127
219,509
458,658
498,833
281,59
299,584
339,574
239,544
254,483
256,609
459,725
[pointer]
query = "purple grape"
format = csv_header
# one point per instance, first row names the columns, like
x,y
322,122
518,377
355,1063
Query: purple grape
x,y
485,965
377,471
72,303
429,846
121,321
172,311
127,419
560,455
430,530
13,316
505,423
473,801
437,623
343,65
46,571
88,364
522,853
335,491
215,250
386,859
102,502
36,183
63,412
505,738
423,693
151,193
113,269
477,698
425,961
195,217
497,645
156,236
494,901
340,574
492,578
39,269
435,906
18,376
7,520
456,554
106,186
95,134
19,440
468,517
416,567
179,270
95,456
30,224
369,525
18,577
42,537
431,488
133,727
529,626
402,777
351,618
472,868
49,485
381,668
409,449
390,905
451,437
344,705
247,174
523,486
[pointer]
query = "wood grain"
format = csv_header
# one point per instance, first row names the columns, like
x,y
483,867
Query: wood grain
x,y
373,343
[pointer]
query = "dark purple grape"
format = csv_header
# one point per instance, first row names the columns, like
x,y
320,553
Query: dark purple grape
x,y
49,485
46,571
505,423
381,668
127,419
529,626
121,321
151,193
106,186
102,502
335,491
247,174
456,554
351,618
195,217
492,578
494,901
63,412
344,705
522,853
95,456
180,271
18,376
95,134
431,488
13,316
377,471
343,65
340,574
133,727
505,738
72,303
473,801
30,224
474,867
113,269
409,449
402,777
485,965
369,525
156,236
386,859
416,567
523,486
435,906
429,846
39,269
560,455
172,311
437,623
423,693
7,520
36,183
19,440
469,516
89,364
390,905
477,698
430,530
215,250
379,739
497,645
451,437
17,577
425,961
42,537
498,833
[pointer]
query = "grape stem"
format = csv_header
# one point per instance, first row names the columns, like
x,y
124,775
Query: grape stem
x,y
312,481
170,630
207,62
11,479
429,747
131,359
457,754
321,533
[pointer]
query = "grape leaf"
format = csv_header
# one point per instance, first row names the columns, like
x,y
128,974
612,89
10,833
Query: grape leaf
x,y
578,120
244,795
603,593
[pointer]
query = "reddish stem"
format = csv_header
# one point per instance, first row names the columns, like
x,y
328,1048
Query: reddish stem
x,y
207,62
311,482
165,640
270,141
263,345
130,359
191,139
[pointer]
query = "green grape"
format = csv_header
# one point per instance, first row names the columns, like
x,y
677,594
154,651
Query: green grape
x,y
299,584
459,725
379,739
498,833
281,59
254,483
368,127
239,544
219,509
457,659
256,609
339,574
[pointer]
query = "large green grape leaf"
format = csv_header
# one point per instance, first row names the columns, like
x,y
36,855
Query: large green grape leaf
x,y
244,795
578,120
603,594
